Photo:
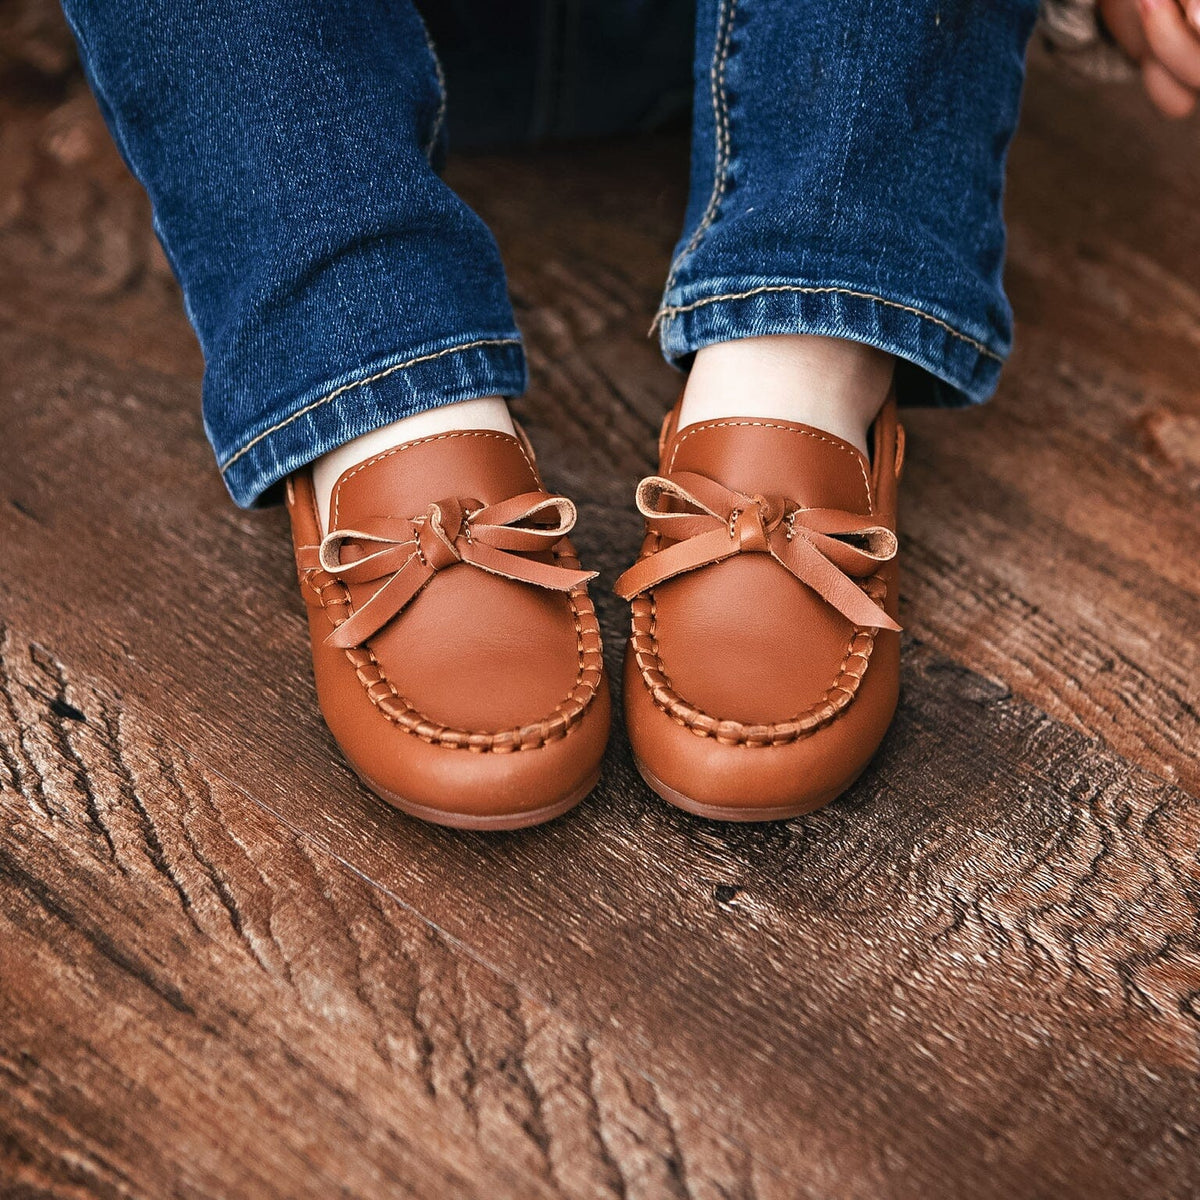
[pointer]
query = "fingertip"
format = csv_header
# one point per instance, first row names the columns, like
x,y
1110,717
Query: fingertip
x,y
1172,39
1166,93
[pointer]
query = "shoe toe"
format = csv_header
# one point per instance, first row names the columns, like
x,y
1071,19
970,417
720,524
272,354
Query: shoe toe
x,y
495,788
736,771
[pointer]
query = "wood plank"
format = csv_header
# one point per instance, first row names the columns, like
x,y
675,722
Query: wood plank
x,y
126,1072
351,1048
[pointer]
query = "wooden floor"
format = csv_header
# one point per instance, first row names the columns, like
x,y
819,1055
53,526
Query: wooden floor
x,y
228,971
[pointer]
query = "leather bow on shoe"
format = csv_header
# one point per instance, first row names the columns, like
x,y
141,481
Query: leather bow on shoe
x,y
822,547
492,537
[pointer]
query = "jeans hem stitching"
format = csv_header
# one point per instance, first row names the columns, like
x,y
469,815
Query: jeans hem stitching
x,y
346,387
669,311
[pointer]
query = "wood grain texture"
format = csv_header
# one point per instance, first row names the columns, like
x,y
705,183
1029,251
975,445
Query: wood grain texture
x,y
351,1047
227,970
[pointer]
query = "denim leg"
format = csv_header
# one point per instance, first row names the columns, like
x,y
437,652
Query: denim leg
x,y
847,171
335,282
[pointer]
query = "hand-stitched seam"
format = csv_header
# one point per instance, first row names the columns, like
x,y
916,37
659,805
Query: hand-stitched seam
x,y
346,387
721,152
835,700
732,424
433,437
669,312
571,708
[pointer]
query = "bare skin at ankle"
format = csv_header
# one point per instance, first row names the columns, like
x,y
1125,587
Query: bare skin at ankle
x,y
830,383
486,412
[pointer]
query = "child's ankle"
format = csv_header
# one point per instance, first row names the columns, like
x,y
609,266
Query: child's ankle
x,y
487,412
830,383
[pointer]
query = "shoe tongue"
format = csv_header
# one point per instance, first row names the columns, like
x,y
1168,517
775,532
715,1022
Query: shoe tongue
x,y
469,464
775,458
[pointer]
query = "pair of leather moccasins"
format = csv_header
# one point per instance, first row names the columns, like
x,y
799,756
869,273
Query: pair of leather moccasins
x,y
457,653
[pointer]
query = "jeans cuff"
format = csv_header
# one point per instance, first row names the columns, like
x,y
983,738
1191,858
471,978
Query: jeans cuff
x,y
955,367
373,395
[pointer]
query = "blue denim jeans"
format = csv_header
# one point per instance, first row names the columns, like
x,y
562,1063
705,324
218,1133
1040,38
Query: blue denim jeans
x,y
846,178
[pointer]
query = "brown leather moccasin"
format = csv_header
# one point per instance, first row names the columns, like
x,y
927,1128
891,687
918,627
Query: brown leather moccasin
x,y
456,651
763,666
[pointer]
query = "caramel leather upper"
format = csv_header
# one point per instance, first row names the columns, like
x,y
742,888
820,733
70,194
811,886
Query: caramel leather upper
x,y
449,614
740,640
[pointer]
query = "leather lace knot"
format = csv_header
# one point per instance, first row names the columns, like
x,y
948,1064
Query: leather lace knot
x,y
406,553
825,548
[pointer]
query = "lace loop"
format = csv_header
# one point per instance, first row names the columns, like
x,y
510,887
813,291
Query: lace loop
x,y
706,522
492,537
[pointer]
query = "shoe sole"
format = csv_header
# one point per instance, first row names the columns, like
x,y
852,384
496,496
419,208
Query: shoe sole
x,y
486,821
720,812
